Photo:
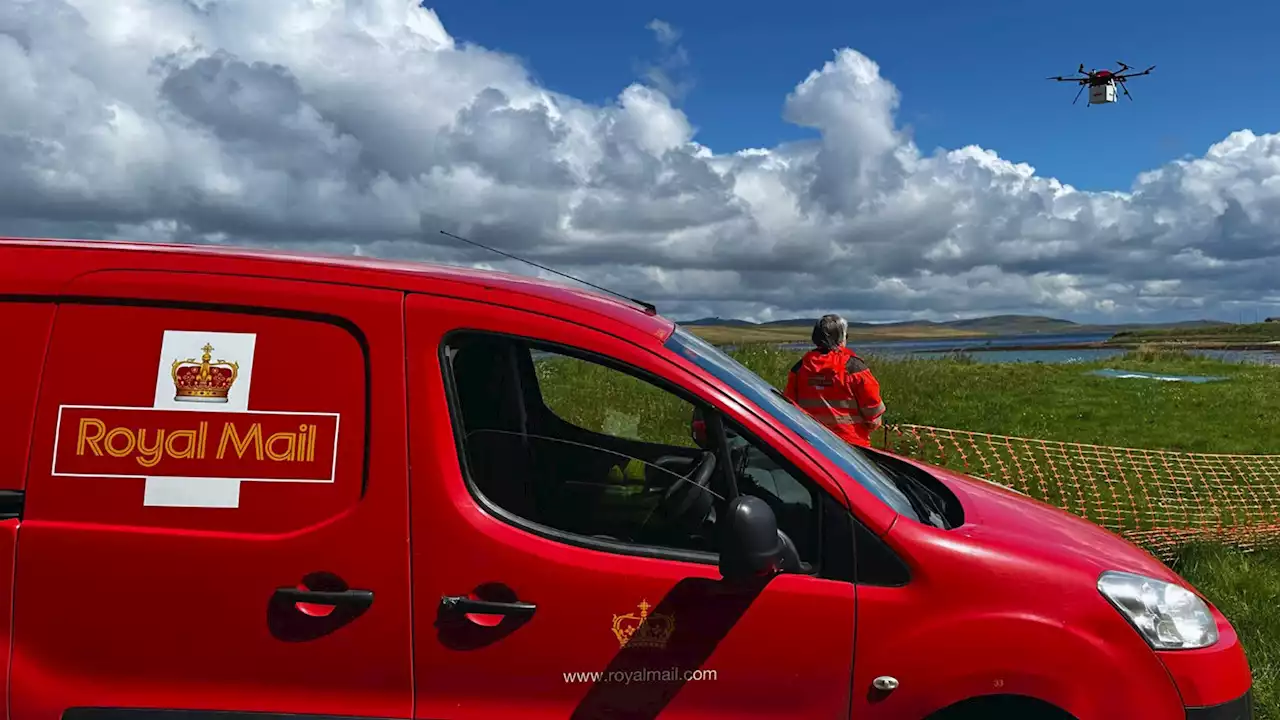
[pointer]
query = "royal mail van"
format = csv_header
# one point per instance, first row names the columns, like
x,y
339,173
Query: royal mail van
x,y
249,484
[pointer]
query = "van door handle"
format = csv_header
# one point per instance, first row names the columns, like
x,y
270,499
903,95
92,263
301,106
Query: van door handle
x,y
463,604
359,599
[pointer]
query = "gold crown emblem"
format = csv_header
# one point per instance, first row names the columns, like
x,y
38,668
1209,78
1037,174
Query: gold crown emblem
x,y
643,630
203,380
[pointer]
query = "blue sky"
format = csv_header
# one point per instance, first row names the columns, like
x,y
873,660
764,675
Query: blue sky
x,y
1212,74
365,126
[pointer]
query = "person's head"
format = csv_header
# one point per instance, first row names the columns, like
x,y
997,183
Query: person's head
x,y
830,332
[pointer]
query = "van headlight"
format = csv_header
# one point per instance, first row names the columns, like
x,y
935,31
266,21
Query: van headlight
x,y
1169,616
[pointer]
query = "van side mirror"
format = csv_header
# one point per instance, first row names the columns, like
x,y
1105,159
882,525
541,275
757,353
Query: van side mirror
x,y
752,546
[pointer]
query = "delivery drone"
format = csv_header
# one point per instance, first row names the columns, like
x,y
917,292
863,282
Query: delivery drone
x,y
1102,83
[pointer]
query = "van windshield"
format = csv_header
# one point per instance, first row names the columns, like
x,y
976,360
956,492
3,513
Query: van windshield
x,y
848,457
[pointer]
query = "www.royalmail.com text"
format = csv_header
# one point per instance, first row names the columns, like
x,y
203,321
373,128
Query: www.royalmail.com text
x,y
626,677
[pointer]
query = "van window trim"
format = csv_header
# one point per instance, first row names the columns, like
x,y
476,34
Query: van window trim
x,y
574,539
351,327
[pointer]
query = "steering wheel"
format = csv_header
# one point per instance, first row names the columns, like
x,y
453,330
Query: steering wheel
x,y
687,502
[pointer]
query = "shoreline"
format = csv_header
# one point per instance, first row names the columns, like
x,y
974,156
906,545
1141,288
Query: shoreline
x,y
1031,346
1126,346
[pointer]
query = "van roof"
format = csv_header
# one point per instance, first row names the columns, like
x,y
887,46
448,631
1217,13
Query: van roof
x,y
409,276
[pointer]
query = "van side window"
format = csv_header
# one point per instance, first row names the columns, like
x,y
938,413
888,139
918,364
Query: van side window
x,y
760,472
602,400
581,447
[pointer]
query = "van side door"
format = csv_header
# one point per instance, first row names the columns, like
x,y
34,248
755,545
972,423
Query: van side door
x,y
26,327
562,568
216,513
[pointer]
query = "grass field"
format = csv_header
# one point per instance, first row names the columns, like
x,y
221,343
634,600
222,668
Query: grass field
x,y
734,333
1244,586
1250,333
1063,402
1049,401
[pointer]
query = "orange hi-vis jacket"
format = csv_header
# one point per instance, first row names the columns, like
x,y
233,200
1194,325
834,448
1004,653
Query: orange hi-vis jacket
x,y
838,390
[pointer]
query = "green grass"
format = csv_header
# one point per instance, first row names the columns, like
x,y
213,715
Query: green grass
x,y
1047,401
1144,496
1235,333
1245,588
1063,402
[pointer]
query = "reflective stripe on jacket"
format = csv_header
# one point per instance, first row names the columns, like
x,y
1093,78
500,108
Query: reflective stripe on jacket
x,y
838,390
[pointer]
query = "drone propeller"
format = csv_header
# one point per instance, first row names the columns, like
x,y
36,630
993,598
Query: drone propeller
x,y
1133,75
1123,67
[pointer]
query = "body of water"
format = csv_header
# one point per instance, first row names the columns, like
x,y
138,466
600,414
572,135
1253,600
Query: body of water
x,y
1009,349
1129,374
942,346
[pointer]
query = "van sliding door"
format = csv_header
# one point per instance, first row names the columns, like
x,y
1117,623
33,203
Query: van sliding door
x,y
211,523
25,328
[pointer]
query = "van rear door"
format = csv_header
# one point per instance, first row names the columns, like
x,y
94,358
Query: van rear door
x,y
25,326
211,523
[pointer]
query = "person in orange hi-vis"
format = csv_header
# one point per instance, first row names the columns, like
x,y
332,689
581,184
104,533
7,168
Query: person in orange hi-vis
x,y
835,386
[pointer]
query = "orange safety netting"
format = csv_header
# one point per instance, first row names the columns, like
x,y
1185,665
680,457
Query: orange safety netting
x,y
1160,500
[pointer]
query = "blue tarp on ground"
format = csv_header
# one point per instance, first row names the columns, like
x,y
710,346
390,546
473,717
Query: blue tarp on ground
x,y
1130,374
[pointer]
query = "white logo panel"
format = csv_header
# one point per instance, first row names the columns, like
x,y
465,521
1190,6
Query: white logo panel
x,y
201,371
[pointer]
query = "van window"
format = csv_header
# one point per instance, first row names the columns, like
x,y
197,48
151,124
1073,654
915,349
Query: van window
x,y
561,440
602,400
847,457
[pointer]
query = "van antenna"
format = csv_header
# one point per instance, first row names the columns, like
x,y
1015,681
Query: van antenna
x,y
649,308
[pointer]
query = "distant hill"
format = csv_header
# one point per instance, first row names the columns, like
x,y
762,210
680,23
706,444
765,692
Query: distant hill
x,y
1021,324
719,322
993,325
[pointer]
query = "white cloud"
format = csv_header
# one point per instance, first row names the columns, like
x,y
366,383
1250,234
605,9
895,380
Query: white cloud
x,y
364,127
666,73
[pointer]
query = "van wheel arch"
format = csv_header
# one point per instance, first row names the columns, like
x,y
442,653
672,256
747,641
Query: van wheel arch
x,y
1002,707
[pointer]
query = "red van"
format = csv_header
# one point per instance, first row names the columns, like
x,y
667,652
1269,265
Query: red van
x,y
249,484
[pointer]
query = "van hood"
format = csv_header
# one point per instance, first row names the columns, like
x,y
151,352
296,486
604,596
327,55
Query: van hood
x,y
997,514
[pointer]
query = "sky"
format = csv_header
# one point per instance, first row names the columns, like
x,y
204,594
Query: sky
x,y
966,76
739,160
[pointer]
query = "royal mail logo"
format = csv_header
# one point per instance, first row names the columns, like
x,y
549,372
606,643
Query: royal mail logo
x,y
95,441
203,381
643,630
199,441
